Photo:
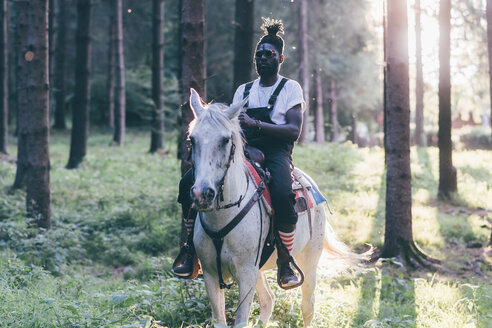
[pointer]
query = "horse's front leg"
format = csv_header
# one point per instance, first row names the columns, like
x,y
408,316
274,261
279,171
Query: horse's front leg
x,y
216,297
247,281
266,297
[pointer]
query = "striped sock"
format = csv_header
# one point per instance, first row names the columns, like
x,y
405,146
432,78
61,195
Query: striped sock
x,y
287,239
189,222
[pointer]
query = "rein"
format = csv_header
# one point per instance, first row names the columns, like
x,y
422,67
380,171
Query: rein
x,y
218,236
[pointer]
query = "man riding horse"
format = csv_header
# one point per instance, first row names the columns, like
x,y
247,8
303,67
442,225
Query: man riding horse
x,y
272,123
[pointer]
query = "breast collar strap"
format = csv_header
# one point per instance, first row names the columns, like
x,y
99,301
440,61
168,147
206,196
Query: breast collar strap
x,y
218,236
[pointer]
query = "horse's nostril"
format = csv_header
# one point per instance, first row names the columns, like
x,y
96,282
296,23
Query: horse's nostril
x,y
209,194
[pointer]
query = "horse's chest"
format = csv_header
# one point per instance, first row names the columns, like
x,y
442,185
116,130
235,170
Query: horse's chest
x,y
239,249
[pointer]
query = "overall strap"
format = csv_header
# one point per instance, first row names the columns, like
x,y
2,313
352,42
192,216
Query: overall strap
x,y
247,89
275,93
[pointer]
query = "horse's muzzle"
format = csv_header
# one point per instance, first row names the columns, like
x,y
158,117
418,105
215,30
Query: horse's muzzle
x,y
203,198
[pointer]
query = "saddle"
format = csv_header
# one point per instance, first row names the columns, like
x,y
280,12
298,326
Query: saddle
x,y
301,185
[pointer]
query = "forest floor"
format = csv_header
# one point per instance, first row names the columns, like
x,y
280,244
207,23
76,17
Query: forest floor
x,y
106,262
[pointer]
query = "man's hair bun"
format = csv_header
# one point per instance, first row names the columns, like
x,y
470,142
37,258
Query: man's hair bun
x,y
272,26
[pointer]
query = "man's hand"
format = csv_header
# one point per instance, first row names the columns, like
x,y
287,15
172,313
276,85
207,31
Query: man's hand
x,y
245,120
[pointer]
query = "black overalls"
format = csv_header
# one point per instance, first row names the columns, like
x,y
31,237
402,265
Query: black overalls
x,y
278,159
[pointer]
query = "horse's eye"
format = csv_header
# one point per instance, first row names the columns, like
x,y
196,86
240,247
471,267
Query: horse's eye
x,y
225,140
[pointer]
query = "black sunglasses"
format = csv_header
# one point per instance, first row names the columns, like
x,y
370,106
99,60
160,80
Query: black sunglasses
x,y
267,53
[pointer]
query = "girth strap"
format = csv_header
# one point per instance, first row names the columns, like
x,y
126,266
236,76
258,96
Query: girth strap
x,y
218,236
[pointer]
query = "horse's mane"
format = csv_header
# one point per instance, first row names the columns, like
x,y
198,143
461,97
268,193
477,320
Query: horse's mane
x,y
215,114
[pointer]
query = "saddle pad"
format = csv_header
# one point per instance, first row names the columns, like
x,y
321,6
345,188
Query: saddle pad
x,y
314,191
305,190
266,198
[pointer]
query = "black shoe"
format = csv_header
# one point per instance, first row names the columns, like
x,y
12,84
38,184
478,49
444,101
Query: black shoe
x,y
286,277
183,265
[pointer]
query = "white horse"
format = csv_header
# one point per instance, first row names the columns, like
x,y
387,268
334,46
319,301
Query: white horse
x,y
220,179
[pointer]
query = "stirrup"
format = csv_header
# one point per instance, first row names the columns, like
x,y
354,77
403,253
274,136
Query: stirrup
x,y
299,271
184,252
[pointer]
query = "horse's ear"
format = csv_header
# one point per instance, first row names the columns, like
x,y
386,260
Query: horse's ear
x,y
234,110
196,103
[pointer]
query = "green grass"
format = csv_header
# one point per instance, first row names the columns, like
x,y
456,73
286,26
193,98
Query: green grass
x,y
116,227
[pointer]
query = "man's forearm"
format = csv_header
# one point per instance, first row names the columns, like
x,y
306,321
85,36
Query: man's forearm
x,y
287,132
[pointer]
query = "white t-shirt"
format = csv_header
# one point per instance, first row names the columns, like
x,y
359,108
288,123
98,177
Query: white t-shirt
x,y
290,96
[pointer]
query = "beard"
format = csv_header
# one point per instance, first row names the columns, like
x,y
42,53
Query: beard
x,y
267,70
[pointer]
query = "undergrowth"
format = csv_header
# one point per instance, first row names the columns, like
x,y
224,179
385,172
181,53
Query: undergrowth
x,y
106,261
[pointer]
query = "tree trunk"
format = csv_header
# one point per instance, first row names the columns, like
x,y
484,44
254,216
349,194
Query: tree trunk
x,y
243,42
157,134
303,65
22,33
333,112
398,232
385,77
80,115
111,69
35,72
489,43
52,30
120,99
59,73
193,69
4,83
354,136
420,138
319,117
447,172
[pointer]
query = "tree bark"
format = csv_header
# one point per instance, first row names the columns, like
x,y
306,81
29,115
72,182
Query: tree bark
x,y
354,136
35,116
59,69
193,68
333,111
319,117
420,138
22,33
398,235
111,69
52,30
447,172
304,65
398,232
243,42
385,76
489,44
4,83
80,115
120,97
157,133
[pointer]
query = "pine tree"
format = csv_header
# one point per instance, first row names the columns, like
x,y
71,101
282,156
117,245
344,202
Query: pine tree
x,y
157,133
120,96
80,115
4,85
447,172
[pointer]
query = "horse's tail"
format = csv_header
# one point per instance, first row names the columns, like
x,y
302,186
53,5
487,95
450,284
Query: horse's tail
x,y
338,250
